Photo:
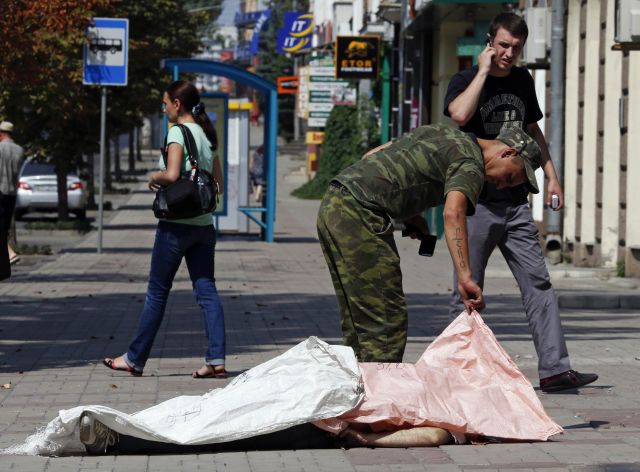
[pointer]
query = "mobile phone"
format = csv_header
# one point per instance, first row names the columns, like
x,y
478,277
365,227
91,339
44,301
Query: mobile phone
x,y
555,201
427,245
488,41
427,241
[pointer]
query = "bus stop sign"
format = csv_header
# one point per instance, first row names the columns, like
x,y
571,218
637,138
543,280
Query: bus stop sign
x,y
106,52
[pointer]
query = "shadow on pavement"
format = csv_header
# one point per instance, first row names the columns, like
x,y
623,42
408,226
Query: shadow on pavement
x,y
135,207
52,332
91,250
294,240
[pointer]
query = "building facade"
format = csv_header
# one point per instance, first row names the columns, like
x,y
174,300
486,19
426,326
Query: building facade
x,y
602,111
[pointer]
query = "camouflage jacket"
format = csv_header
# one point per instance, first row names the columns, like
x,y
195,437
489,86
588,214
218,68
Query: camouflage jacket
x,y
417,171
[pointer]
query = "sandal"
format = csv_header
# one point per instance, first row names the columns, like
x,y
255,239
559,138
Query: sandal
x,y
110,363
212,373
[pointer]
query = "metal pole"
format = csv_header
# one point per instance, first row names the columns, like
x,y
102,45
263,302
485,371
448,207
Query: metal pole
x,y
556,134
385,105
103,139
271,139
296,123
403,15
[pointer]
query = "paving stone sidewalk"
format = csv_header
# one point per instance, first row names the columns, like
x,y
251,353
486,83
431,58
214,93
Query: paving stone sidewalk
x,y
58,320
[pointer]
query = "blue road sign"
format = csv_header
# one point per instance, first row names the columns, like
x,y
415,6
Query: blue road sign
x,y
106,52
295,35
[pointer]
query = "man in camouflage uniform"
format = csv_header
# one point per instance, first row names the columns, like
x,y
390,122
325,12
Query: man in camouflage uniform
x,y
400,180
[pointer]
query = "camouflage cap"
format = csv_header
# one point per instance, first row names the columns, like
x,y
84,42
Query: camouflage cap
x,y
526,147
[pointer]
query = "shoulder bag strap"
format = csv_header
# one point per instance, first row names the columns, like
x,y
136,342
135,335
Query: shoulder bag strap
x,y
192,149
164,150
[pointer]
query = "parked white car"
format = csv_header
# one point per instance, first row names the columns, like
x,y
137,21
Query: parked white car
x,y
37,190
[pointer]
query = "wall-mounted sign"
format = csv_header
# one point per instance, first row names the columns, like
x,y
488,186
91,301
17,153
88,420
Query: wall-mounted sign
x,y
295,35
303,92
288,84
357,57
315,137
261,25
325,92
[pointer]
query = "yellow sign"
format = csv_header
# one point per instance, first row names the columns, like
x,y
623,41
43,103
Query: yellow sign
x,y
357,57
315,137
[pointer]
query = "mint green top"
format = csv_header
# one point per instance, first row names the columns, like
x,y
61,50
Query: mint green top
x,y
205,161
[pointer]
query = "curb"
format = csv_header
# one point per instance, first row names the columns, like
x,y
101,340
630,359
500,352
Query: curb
x,y
599,300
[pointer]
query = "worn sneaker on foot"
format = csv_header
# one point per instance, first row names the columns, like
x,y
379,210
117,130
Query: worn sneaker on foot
x,y
96,436
566,380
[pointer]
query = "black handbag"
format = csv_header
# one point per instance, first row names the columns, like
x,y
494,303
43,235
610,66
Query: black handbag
x,y
195,193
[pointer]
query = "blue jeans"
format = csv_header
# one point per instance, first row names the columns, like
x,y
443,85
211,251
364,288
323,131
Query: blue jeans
x,y
173,242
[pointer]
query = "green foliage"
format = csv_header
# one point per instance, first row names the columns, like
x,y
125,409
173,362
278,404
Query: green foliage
x,y
41,90
158,29
349,133
620,269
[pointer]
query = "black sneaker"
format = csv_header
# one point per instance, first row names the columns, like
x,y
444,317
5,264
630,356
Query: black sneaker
x,y
96,436
566,380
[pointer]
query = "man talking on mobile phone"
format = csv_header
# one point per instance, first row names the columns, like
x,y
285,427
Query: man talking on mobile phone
x,y
485,100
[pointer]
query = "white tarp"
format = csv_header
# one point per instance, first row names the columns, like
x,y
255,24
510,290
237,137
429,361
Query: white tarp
x,y
309,382
464,382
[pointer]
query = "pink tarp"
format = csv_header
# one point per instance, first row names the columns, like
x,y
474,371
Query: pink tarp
x,y
464,382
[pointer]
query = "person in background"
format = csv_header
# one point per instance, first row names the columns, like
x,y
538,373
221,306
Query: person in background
x,y
193,239
493,96
256,172
11,159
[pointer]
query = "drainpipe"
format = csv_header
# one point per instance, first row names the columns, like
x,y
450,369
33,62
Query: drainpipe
x,y
554,220
385,105
401,75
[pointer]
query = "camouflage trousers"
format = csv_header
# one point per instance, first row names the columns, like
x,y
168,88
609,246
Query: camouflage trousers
x,y
363,259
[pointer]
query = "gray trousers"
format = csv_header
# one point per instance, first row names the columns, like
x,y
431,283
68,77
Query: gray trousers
x,y
513,230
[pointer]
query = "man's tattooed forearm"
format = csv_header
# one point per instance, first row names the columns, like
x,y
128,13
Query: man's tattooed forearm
x,y
458,241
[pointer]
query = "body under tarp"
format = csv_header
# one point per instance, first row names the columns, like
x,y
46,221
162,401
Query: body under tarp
x,y
464,382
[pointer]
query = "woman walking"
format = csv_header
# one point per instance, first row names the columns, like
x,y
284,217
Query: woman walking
x,y
191,238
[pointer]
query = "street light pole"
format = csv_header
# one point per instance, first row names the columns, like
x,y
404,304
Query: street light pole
x,y
296,123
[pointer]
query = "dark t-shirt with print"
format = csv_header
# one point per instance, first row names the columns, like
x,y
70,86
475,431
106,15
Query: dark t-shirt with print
x,y
504,102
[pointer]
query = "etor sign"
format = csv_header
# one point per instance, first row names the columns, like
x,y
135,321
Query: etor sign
x,y
357,57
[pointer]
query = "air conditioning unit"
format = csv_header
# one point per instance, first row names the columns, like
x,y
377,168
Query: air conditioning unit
x,y
627,21
535,49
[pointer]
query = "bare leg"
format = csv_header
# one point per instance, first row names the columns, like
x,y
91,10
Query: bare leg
x,y
414,437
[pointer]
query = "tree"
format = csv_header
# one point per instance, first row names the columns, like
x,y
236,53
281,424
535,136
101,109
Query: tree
x,y
41,67
41,71
349,133
154,34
